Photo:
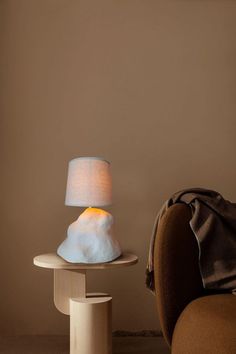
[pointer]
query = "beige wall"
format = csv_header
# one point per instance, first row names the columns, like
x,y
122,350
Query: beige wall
x,y
151,86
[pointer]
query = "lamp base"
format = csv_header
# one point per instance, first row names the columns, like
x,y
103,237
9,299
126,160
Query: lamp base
x,y
90,239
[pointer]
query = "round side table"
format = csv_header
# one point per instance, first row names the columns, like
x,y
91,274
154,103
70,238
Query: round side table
x,y
90,314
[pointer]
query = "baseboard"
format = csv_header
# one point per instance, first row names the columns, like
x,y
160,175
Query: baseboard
x,y
118,333
143,333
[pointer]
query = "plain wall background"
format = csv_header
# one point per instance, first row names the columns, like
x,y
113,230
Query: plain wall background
x,y
149,85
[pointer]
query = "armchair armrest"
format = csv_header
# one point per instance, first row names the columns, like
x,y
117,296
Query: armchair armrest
x,y
176,270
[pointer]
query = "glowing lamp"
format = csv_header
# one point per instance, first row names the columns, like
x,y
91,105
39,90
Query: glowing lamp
x,y
90,239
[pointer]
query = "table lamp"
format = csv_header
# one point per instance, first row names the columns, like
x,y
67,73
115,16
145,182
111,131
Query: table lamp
x,y
90,239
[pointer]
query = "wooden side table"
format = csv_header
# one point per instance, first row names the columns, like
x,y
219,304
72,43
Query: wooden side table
x,y
90,314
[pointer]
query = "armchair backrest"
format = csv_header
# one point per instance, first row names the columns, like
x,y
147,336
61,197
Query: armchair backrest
x,y
176,270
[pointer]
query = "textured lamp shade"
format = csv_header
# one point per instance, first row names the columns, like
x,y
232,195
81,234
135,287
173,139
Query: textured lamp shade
x,y
89,182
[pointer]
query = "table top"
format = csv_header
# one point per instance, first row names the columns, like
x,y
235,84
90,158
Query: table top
x,y
53,261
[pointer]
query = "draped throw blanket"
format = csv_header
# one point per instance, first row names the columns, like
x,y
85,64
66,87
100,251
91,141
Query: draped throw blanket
x,y
213,223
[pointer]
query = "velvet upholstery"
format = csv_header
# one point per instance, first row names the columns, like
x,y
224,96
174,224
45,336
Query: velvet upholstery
x,y
176,272
186,314
207,326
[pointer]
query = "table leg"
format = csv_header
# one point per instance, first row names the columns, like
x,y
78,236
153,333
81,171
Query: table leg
x,y
68,284
90,325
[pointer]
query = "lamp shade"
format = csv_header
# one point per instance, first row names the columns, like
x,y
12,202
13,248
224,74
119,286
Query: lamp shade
x,y
89,182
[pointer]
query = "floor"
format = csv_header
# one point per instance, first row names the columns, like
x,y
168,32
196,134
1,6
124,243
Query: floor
x,y
60,345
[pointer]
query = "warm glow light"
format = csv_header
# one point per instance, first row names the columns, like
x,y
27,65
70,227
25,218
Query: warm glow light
x,y
96,211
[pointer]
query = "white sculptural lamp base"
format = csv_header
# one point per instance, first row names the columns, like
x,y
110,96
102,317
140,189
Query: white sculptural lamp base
x,y
90,239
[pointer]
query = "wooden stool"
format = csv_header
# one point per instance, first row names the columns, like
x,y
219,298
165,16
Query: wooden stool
x,y
90,314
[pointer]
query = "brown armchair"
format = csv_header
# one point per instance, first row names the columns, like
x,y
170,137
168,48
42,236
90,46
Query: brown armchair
x,y
193,320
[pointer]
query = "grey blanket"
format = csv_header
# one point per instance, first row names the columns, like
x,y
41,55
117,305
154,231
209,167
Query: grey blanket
x,y
213,223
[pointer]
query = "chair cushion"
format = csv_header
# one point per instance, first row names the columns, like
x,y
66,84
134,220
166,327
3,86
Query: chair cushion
x,y
207,326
